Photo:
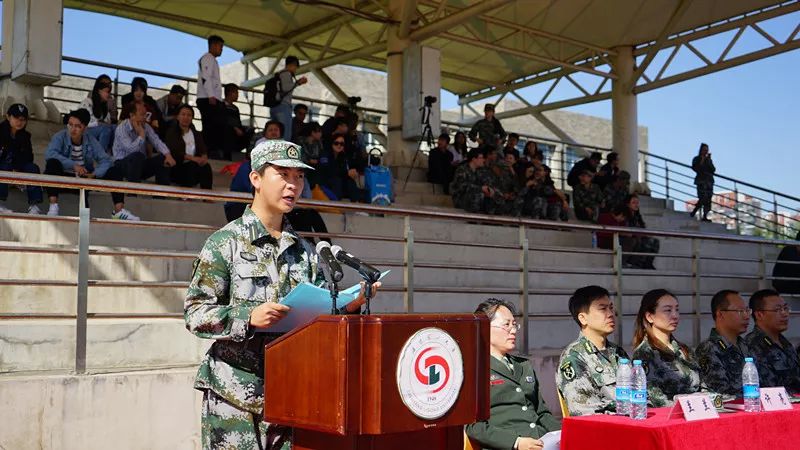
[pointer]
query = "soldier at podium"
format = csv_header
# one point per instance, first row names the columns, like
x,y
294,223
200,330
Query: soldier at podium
x,y
519,415
240,275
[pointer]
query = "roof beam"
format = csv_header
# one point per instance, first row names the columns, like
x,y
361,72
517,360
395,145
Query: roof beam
x,y
661,40
442,25
407,14
148,13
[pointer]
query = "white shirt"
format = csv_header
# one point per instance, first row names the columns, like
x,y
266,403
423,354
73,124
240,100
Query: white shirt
x,y
87,104
188,140
208,81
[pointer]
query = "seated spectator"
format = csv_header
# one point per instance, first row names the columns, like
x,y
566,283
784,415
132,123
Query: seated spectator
x,y
236,136
112,101
518,414
671,366
609,170
440,163
299,123
468,189
130,148
139,93
312,145
526,160
189,151
330,125
532,199
73,153
638,243
587,198
615,218
270,128
170,103
586,164
16,155
338,173
776,360
587,371
785,269
459,148
505,182
511,144
616,190
96,103
557,202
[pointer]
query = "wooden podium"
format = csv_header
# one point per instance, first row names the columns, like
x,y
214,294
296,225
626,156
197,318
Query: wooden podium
x,y
335,381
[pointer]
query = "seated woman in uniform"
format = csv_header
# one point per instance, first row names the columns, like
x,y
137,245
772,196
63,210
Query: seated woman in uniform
x,y
671,366
518,415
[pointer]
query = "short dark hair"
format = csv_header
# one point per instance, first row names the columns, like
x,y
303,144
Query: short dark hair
x,y
230,87
582,299
596,155
720,301
274,122
612,156
177,89
473,153
491,305
291,59
312,127
620,210
444,136
513,136
213,39
511,152
757,299
130,108
300,106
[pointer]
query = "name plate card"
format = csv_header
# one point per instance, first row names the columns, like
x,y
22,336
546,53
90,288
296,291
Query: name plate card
x,y
775,399
697,407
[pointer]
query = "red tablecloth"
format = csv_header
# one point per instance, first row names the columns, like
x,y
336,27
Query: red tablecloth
x,y
733,431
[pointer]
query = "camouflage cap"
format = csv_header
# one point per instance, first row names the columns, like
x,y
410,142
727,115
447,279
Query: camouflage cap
x,y
278,153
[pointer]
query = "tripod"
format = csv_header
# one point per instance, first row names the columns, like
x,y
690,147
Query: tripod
x,y
427,136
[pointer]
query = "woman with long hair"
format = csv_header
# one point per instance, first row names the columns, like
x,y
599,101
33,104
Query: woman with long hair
x,y
459,148
670,365
97,103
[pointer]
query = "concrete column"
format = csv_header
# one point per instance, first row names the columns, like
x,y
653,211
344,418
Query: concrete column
x,y
397,149
31,54
624,112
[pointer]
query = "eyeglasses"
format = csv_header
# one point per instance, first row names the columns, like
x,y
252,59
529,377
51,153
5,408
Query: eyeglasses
x,y
742,312
338,143
509,326
779,309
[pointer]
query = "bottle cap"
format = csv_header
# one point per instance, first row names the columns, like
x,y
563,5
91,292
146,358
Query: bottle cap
x,y
637,362
748,359
624,361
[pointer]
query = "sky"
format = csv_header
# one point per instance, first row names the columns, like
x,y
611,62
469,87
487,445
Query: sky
x,y
748,115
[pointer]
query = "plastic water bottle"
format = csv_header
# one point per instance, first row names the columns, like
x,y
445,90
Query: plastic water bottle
x,y
638,392
624,381
594,239
752,391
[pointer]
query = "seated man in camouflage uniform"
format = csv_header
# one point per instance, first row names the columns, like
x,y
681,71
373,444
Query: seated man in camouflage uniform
x,y
532,198
587,370
469,188
721,356
775,358
587,198
505,183
616,191
490,175
519,415
488,130
239,279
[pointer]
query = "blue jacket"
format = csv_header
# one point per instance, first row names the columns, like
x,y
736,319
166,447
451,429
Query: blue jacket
x,y
95,158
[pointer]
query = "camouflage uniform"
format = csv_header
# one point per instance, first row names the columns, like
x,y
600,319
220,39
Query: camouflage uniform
x,y
614,197
240,267
777,363
487,131
587,197
532,201
498,177
467,191
587,377
668,377
721,363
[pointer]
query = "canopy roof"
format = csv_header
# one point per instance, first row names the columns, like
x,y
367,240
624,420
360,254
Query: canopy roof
x,y
483,43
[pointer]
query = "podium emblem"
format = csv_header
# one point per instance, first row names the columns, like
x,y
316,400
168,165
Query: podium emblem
x,y
430,372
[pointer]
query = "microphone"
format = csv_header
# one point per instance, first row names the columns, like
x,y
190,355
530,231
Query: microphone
x,y
324,251
365,270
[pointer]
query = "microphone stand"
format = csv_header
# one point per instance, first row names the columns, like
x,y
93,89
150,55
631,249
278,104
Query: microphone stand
x,y
334,290
368,281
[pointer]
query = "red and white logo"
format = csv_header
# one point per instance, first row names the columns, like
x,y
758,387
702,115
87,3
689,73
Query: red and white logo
x,y
429,373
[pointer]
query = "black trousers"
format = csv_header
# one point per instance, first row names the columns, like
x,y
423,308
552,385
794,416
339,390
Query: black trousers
x,y
54,167
190,174
137,167
213,119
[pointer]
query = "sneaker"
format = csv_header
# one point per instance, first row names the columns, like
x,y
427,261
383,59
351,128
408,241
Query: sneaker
x,y
53,210
4,210
34,209
124,214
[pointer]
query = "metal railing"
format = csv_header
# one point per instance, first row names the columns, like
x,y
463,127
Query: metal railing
x,y
756,273
741,206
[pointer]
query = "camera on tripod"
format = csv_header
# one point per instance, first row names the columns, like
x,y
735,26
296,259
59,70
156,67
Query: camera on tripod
x,y
429,101
353,101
